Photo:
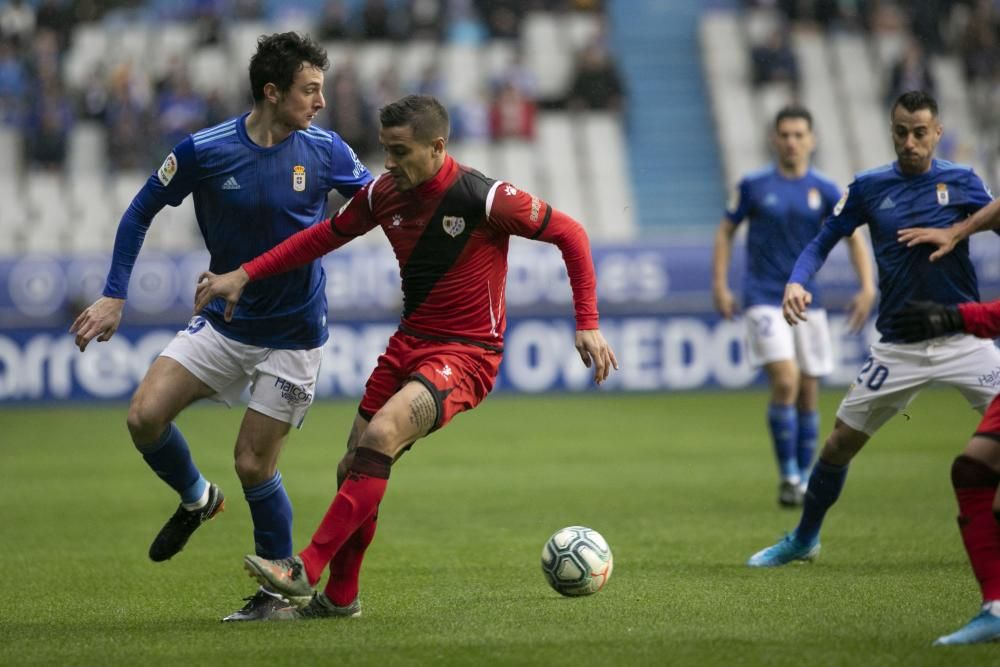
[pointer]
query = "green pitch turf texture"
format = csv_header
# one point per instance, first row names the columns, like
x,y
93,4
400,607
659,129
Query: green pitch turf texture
x,y
682,487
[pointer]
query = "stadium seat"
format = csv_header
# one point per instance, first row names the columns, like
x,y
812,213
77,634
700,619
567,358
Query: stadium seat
x,y
607,169
547,55
87,150
516,164
559,161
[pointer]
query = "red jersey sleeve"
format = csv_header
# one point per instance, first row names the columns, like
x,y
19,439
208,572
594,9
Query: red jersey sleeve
x,y
981,319
353,219
519,213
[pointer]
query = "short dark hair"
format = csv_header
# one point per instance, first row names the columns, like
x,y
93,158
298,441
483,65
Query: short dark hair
x,y
915,100
793,111
279,57
427,116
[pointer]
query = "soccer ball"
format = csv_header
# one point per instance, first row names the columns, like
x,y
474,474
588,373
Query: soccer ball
x,y
577,561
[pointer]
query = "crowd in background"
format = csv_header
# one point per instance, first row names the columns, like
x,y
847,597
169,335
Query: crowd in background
x,y
145,114
969,29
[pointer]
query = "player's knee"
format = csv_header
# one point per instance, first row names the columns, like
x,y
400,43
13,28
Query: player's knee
x,y
381,436
784,390
253,470
967,473
143,422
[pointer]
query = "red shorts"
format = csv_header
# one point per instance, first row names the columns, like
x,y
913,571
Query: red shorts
x,y
990,424
458,375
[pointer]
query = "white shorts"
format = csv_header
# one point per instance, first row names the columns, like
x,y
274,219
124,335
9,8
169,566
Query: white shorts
x,y
896,372
282,382
770,338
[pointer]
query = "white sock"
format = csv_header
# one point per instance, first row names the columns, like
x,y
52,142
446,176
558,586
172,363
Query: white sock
x,y
992,606
201,502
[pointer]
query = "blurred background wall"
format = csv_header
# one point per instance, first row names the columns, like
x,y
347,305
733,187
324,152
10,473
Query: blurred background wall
x,y
634,116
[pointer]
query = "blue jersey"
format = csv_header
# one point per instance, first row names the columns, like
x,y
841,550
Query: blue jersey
x,y
785,215
887,200
247,199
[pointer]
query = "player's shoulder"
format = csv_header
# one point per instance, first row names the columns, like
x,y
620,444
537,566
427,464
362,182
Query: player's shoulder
x,y
319,135
822,179
875,177
224,133
759,175
955,171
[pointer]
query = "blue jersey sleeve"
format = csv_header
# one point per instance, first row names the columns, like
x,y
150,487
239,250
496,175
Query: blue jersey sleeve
x,y
349,174
831,195
978,193
170,184
848,215
739,203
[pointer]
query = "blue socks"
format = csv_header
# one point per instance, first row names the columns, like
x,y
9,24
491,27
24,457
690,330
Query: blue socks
x,y
170,458
808,435
783,422
271,511
825,484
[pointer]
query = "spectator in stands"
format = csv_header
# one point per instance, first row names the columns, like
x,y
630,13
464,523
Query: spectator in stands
x,y
180,111
55,16
348,111
17,21
126,116
980,43
335,22
774,61
502,17
13,83
512,115
379,21
596,84
910,72
464,23
426,19
48,126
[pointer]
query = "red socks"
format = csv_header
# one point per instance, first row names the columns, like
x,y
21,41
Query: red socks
x,y
975,486
342,587
355,502
981,536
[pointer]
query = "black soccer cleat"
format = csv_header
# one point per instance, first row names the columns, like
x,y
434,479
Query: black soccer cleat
x,y
319,606
176,531
261,606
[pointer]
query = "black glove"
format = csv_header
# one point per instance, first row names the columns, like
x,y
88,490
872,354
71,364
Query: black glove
x,y
921,320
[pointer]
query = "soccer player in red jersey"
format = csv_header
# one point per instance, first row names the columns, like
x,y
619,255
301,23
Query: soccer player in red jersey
x,y
449,227
975,473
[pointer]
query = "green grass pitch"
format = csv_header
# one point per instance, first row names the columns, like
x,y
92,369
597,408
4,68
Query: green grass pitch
x,y
681,485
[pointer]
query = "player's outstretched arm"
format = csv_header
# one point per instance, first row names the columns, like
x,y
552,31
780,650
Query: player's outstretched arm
x,y
100,319
596,353
985,219
795,302
860,306
725,303
229,286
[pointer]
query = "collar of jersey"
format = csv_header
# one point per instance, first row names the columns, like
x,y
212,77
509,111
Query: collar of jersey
x,y
930,173
440,181
241,132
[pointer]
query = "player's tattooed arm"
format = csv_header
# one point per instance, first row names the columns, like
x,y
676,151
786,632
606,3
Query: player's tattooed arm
x,y
423,412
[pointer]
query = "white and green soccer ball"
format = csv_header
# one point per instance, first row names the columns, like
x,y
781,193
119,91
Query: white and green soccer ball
x,y
577,561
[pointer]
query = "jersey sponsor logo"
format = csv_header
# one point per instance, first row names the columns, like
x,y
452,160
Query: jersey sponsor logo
x,y
991,379
298,178
536,207
509,190
843,200
453,226
231,184
814,199
887,203
167,170
942,194
292,392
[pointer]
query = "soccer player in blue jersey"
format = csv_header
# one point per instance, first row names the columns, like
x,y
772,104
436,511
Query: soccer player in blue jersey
x,y
785,204
915,190
256,180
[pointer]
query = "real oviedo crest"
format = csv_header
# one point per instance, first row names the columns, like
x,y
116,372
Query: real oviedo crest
x,y
453,226
298,178
942,194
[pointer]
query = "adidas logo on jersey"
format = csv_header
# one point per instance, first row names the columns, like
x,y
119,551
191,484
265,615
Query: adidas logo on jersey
x,y
231,184
887,203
